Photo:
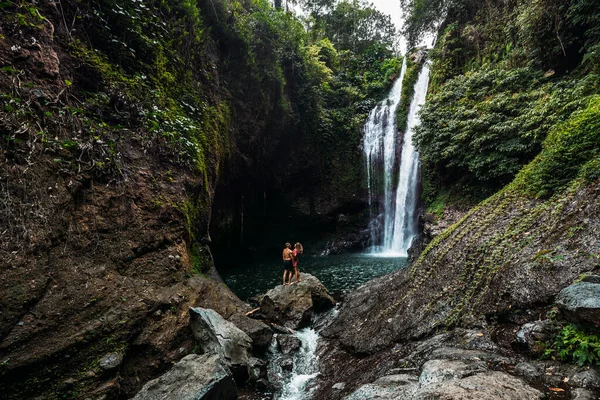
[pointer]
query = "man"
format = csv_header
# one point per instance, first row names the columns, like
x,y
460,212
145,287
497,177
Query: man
x,y
287,264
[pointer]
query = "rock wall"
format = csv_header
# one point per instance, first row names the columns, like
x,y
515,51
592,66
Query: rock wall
x,y
501,266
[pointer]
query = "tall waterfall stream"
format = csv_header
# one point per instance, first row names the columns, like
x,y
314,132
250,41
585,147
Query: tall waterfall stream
x,y
392,180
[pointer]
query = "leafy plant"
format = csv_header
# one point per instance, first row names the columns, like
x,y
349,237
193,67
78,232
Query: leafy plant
x,y
572,344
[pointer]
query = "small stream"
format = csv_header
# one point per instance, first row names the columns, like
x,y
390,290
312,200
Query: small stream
x,y
305,369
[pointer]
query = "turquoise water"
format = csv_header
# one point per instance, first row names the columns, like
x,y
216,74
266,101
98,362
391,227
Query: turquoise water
x,y
338,273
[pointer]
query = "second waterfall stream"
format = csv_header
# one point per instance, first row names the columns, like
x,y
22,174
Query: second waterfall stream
x,y
393,169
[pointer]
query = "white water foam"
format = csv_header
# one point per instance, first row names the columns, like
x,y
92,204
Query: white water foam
x,y
306,367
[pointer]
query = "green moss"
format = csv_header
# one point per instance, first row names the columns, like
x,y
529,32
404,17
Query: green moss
x,y
571,147
408,91
200,259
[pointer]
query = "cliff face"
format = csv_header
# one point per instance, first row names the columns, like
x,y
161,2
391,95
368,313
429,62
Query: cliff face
x,y
510,255
102,223
129,132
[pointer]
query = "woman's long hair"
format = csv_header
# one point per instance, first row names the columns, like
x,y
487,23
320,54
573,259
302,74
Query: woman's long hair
x,y
299,247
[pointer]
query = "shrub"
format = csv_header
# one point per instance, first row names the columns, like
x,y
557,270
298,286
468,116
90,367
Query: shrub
x,y
572,344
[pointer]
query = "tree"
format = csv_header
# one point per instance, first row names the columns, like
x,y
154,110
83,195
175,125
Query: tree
x,y
356,25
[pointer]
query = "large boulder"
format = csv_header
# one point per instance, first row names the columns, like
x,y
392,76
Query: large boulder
x,y
293,305
215,335
449,380
580,302
195,377
260,333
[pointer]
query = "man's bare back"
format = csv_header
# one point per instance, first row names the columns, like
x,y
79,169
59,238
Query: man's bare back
x,y
287,254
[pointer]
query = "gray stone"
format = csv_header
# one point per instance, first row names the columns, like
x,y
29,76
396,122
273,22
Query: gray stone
x,y
437,371
398,371
215,335
293,305
582,394
580,302
530,335
397,380
589,379
257,369
453,353
258,331
484,386
110,361
288,343
195,377
339,386
528,370
372,391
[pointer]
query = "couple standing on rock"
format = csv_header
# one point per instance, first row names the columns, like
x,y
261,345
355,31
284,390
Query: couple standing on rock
x,y
290,263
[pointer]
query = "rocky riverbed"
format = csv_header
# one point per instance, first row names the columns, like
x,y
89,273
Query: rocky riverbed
x,y
265,357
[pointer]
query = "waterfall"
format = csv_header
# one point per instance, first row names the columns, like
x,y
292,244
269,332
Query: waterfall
x,y
405,221
297,384
394,222
379,144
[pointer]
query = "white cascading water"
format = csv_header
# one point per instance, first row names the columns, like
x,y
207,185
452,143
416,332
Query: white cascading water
x,y
405,221
305,369
394,221
379,145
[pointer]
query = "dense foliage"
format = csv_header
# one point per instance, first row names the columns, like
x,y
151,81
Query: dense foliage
x,y
480,128
572,344
571,149
504,75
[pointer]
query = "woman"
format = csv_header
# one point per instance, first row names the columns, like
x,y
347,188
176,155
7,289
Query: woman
x,y
298,249
287,264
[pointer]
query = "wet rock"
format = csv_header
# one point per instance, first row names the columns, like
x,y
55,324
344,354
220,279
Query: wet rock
x,y
218,336
293,305
110,361
591,278
195,377
532,334
257,369
582,394
580,302
339,386
528,371
286,364
263,385
437,371
589,379
288,343
259,332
